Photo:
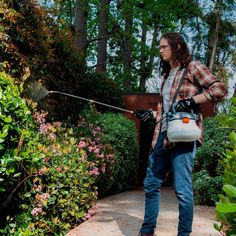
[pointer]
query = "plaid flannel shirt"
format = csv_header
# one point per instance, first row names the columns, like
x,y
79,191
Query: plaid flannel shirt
x,y
198,80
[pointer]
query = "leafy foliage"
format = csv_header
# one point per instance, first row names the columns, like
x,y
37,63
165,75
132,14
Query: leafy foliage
x,y
146,21
14,130
33,49
44,184
206,180
61,190
206,187
121,134
226,207
50,179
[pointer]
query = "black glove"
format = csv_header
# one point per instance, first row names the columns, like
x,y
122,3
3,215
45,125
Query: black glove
x,y
186,105
144,115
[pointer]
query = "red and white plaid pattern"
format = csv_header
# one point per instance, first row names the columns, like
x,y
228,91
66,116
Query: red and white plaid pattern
x,y
198,80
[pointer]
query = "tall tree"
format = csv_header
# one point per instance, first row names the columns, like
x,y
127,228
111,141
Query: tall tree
x,y
102,36
80,26
214,33
127,44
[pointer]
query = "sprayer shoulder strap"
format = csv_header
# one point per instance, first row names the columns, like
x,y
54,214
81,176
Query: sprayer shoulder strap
x,y
178,88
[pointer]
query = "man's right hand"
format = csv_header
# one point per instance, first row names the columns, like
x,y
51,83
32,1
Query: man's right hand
x,y
144,115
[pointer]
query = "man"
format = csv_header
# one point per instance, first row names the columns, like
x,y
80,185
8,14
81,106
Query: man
x,y
197,86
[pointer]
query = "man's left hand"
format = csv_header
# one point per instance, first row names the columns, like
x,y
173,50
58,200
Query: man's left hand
x,y
186,105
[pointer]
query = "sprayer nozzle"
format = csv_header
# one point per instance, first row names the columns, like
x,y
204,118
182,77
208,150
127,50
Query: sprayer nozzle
x,y
36,91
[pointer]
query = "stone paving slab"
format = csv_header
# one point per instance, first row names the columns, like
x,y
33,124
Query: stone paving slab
x,y
122,215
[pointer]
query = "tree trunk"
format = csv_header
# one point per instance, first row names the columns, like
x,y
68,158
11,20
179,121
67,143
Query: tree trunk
x,y
215,34
147,66
102,36
80,23
127,49
143,58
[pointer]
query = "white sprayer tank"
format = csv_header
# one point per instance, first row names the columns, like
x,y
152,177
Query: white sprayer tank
x,y
182,127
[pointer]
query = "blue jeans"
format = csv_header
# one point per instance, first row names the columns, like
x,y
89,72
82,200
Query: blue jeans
x,y
180,160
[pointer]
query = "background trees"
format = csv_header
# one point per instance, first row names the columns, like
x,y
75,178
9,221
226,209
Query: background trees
x,y
116,39
120,37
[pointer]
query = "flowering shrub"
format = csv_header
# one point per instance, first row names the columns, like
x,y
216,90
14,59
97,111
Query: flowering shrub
x,y
51,175
121,133
61,192
47,178
100,155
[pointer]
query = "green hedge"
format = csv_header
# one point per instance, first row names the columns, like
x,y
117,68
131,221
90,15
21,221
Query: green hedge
x,y
121,133
207,181
118,133
15,124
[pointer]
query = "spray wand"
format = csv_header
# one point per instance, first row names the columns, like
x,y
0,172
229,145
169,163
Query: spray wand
x,y
38,92
92,101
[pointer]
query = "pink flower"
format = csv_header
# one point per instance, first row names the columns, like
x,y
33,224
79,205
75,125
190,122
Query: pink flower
x,y
98,129
96,150
110,156
101,156
43,170
94,171
40,117
82,144
97,139
92,211
103,168
36,211
37,188
45,196
52,136
57,124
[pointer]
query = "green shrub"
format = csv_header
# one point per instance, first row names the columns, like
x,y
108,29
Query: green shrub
x,y
121,133
118,134
47,185
61,192
206,188
207,183
50,175
226,207
15,125
209,154
101,155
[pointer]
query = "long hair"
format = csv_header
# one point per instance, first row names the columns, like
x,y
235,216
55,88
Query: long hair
x,y
180,52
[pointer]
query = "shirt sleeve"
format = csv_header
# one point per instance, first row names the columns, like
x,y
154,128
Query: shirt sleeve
x,y
213,88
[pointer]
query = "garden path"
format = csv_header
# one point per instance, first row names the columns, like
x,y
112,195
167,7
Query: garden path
x,y
121,215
